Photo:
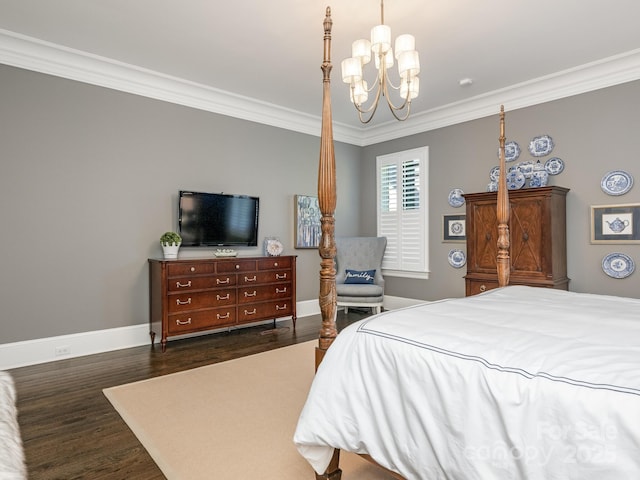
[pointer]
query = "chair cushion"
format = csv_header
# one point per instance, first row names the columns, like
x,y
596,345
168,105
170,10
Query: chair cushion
x,y
359,290
360,276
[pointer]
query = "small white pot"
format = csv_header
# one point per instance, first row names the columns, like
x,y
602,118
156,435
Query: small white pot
x,y
170,250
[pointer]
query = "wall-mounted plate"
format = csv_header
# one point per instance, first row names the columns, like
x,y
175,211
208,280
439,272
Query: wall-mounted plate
x,y
541,146
616,182
455,197
618,265
457,258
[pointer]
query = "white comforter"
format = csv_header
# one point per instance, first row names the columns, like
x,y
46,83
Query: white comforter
x,y
517,383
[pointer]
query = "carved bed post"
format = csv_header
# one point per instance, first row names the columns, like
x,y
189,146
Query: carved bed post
x,y
327,203
503,261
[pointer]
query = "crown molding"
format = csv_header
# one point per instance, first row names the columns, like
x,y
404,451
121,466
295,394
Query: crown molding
x,y
33,54
604,73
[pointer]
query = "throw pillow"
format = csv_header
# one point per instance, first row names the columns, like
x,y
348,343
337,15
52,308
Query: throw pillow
x,y
357,276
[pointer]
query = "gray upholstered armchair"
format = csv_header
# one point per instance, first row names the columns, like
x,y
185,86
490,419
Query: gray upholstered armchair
x,y
359,281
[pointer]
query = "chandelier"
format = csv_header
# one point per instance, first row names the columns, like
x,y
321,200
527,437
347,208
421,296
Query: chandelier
x,y
380,46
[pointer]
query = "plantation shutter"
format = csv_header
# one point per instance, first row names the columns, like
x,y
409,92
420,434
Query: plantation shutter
x,y
402,211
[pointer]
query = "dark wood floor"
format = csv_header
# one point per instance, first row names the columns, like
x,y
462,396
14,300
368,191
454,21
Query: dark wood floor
x,y
71,431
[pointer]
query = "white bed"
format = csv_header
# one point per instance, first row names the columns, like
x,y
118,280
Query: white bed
x,y
516,383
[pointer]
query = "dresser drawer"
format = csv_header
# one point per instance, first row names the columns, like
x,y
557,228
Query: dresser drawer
x,y
272,263
185,302
178,269
264,277
264,292
260,311
473,287
204,320
230,266
200,283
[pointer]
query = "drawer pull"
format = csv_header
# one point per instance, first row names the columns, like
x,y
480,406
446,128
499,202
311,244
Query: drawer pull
x,y
284,307
226,297
284,290
237,267
193,269
247,279
247,294
281,277
275,264
483,288
252,312
186,322
222,282
187,302
183,285
222,317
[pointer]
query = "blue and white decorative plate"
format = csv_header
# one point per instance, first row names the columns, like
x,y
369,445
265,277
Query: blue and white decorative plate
x,y
526,168
511,151
618,265
457,258
616,182
494,173
541,146
515,180
554,166
455,197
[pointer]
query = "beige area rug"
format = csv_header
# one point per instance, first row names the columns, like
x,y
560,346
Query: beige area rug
x,y
230,421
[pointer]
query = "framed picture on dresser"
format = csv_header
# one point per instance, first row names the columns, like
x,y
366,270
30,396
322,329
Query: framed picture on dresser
x,y
615,223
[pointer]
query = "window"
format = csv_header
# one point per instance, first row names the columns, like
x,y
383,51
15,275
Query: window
x,y
402,182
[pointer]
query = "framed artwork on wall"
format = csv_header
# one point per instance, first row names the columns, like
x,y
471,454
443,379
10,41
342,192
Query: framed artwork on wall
x,y
454,228
615,223
307,221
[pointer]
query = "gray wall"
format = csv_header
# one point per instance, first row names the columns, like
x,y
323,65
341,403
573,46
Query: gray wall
x,y
90,179
593,133
89,182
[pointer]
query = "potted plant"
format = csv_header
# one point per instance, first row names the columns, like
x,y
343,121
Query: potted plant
x,y
170,242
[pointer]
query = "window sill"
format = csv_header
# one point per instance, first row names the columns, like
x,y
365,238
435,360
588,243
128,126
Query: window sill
x,y
405,274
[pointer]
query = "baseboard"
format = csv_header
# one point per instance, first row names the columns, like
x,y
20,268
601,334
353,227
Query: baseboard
x,y
42,350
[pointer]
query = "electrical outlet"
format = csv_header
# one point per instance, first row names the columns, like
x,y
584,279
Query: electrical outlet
x,y
64,350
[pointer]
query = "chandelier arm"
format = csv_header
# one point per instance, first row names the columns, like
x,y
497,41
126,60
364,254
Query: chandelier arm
x,y
402,119
393,107
372,108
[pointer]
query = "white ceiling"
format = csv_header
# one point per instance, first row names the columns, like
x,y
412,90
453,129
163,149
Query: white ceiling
x,y
271,51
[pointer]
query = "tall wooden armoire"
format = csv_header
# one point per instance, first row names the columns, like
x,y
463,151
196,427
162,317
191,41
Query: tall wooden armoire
x,y
538,239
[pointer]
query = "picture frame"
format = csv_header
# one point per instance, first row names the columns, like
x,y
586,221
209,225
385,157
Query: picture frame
x,y
454,228
307,215
615,223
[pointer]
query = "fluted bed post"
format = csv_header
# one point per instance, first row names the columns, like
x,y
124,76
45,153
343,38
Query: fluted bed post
x,y
503,261
327,203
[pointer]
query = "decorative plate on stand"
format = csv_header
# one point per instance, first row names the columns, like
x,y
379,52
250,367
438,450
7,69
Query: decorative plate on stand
x,y
515,180
273,247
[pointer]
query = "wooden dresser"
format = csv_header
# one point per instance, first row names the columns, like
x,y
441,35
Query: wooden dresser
x,y
537,227
195,295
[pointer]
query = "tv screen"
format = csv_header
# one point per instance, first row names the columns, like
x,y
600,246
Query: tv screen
x,y
216,219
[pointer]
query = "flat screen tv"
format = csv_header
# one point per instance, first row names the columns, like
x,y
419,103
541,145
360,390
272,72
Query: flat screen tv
x,y
217,219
